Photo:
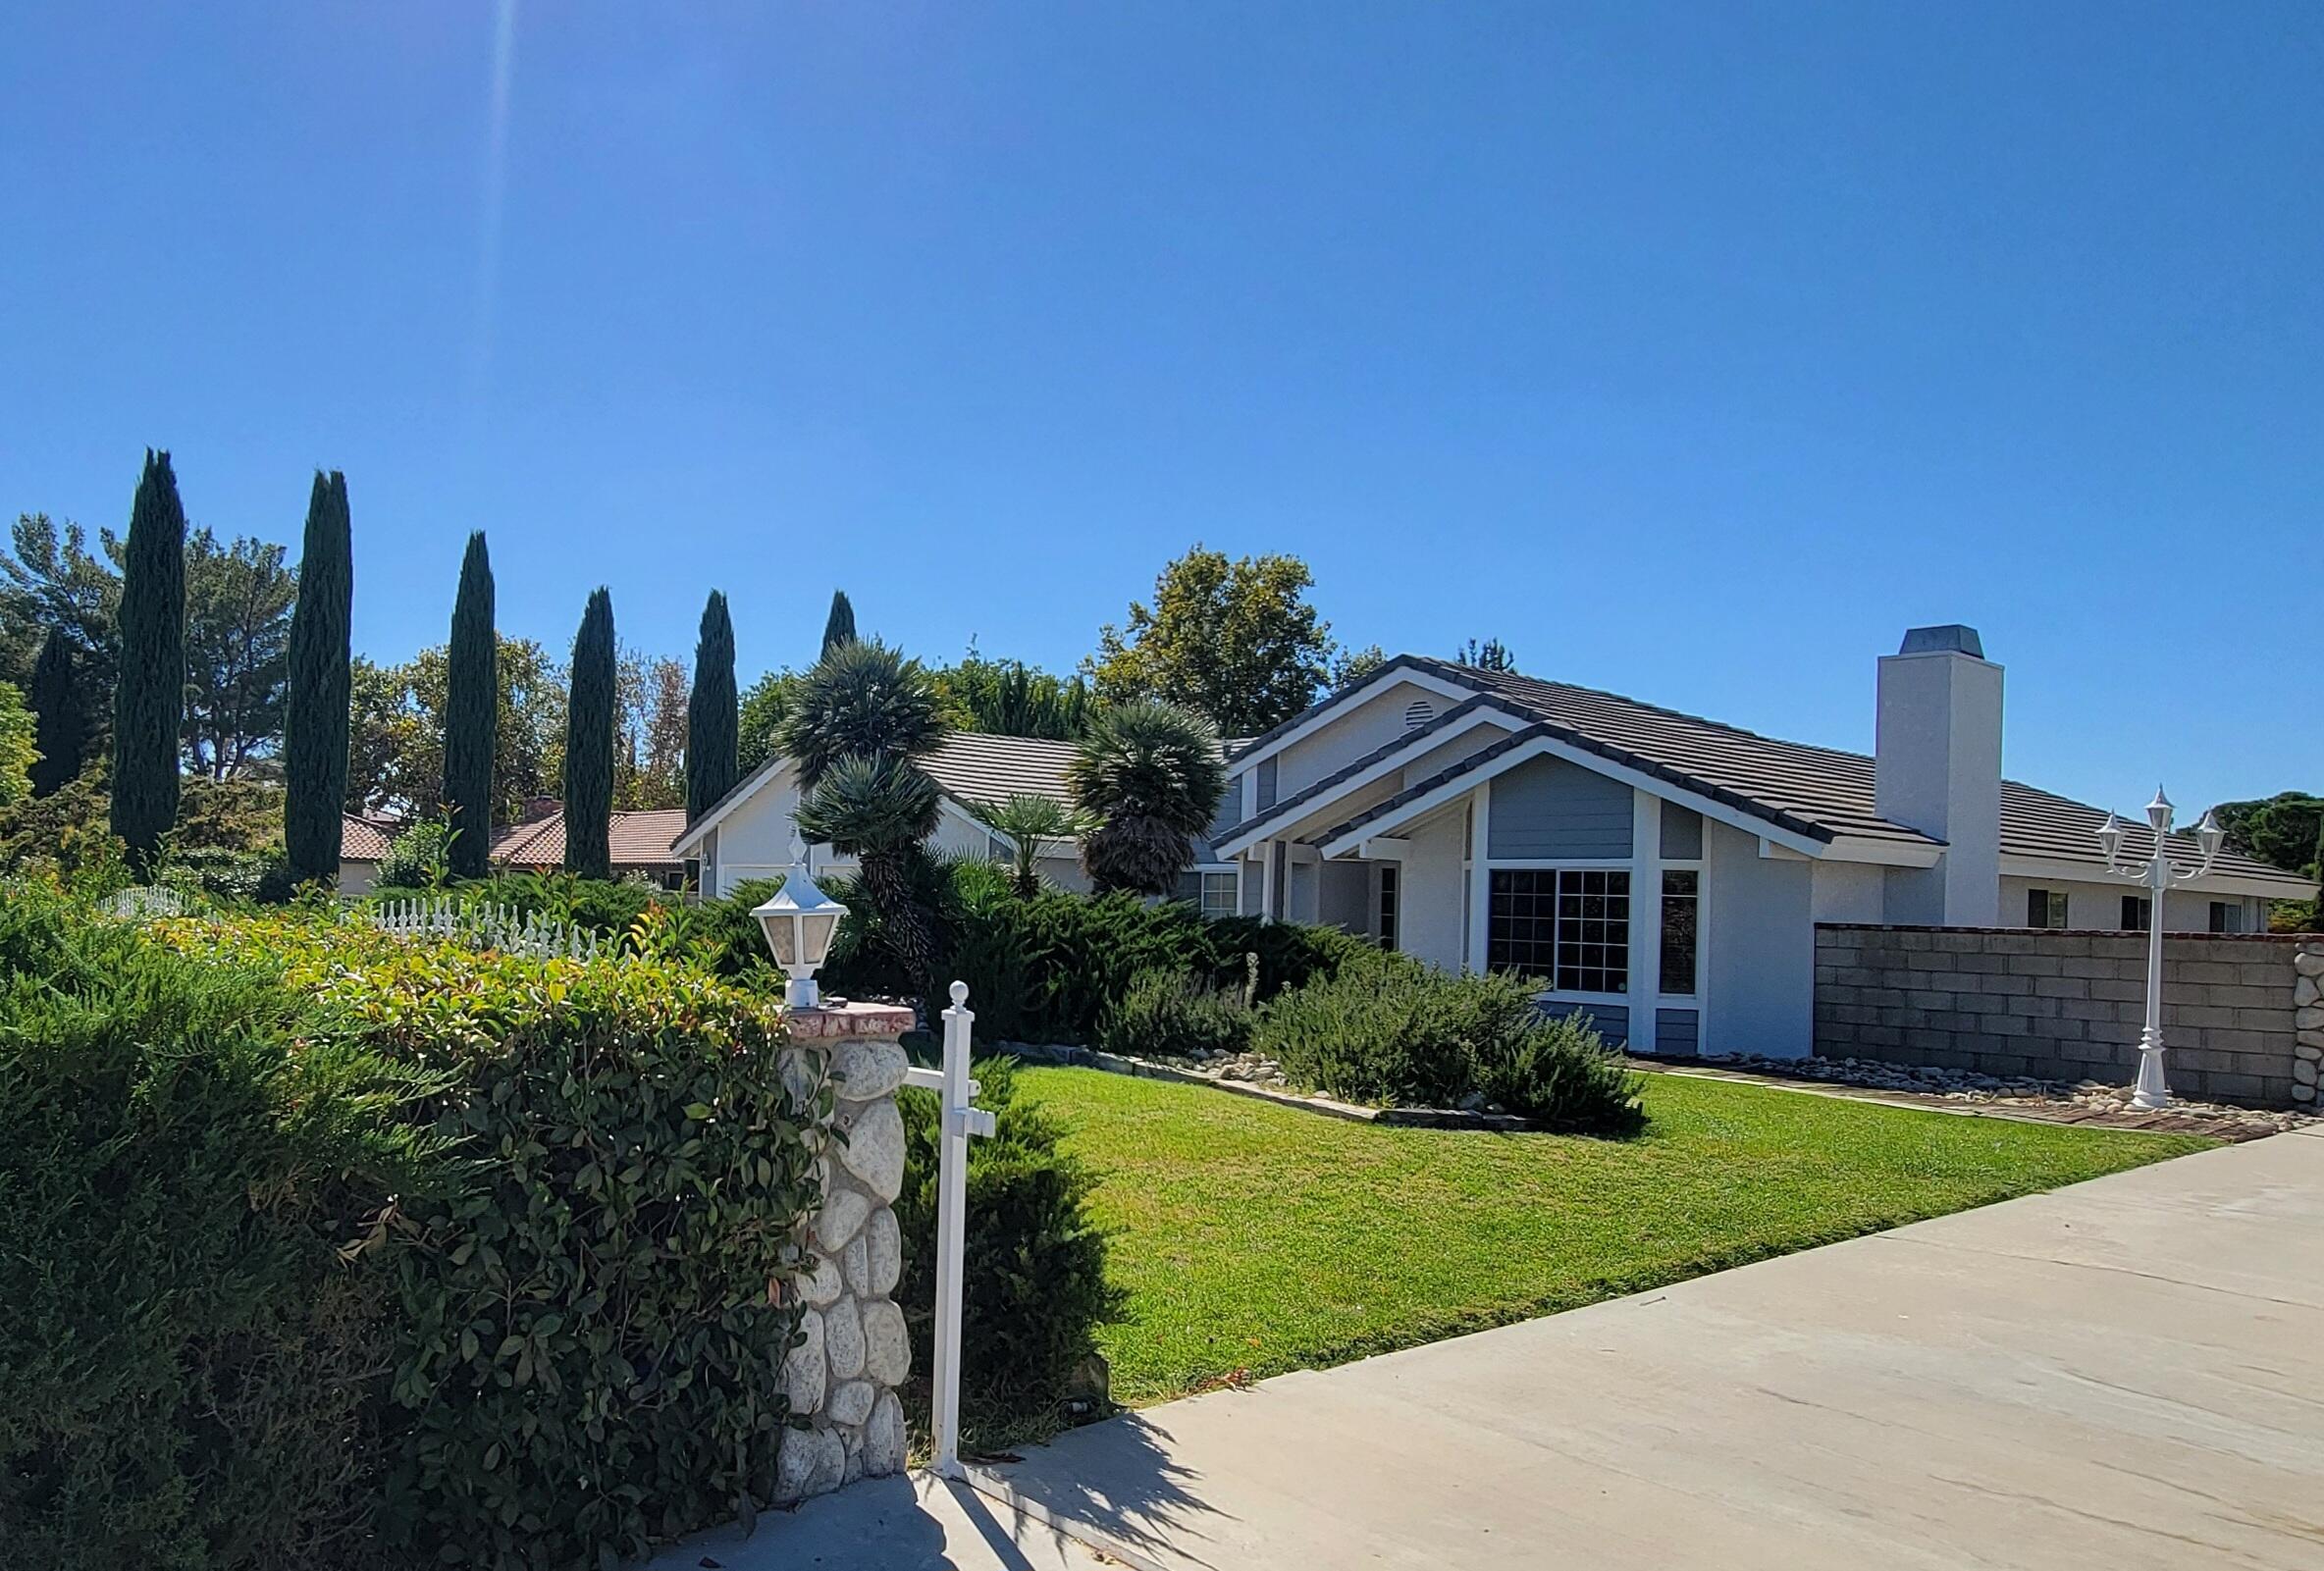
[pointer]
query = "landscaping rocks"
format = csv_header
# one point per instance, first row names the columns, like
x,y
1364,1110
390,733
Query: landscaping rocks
x,y
842,1376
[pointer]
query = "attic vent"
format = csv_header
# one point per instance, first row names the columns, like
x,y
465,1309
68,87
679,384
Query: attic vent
x,y
1418,713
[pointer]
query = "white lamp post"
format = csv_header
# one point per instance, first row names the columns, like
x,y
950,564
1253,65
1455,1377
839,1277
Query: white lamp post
x,y
799,920
2158,873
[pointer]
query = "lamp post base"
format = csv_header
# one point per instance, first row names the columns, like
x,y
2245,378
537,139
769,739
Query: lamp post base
x,y
2152,1093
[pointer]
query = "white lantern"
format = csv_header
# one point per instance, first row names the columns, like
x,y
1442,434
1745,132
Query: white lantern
x,y
799,921
2209,835
2110,838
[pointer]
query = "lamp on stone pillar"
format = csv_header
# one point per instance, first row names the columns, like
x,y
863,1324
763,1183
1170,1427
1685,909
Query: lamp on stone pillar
x,y
799,920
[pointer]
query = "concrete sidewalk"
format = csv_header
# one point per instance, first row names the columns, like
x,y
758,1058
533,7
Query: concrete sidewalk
x,y
2129,1373
912,1523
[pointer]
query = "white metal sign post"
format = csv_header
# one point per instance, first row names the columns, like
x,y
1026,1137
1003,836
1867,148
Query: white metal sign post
x,y
957,1120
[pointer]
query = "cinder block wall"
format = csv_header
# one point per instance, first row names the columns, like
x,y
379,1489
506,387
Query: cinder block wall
x,y
2068,1006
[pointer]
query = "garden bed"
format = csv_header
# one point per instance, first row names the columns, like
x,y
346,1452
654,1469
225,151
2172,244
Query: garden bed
x,y
1244,1075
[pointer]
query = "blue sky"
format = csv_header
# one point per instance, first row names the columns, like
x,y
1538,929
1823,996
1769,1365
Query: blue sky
x,y
1696,352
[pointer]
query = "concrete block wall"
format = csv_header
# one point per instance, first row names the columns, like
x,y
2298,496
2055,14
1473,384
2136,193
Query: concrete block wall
x,y
2068,1006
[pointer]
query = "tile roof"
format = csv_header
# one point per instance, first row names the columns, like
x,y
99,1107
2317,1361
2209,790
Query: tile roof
x,y
361,839
1823,793
976,768
640,839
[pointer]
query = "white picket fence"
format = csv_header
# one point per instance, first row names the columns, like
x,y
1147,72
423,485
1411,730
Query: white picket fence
x,y
488,926
143,902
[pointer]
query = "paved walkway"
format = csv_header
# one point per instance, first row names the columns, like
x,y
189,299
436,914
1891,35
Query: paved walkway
x,y
914,1523
2125,1374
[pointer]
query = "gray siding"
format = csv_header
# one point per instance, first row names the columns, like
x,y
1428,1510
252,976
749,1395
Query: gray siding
x,y
1250,890
1677,1032
1613,1020
1549,808
1230,811
1682,833
1266,782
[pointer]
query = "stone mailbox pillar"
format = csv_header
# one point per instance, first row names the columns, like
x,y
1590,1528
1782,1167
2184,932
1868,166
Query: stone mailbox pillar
x,y
844,1376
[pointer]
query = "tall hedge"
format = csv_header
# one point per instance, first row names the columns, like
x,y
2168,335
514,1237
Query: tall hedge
x,y
315,715
149,696
471,713
60,720
713,715
588,742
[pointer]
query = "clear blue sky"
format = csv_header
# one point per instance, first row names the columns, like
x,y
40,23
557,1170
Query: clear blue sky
x,y
1695,351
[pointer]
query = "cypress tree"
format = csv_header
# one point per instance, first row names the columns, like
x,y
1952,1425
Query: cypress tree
x,y
840,626
315,715
60,724
471,715
712,713
149,697
588,742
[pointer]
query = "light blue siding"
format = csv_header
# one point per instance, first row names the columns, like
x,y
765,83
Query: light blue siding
x,y
1682,833
1677,1032
1611,1020
1548,808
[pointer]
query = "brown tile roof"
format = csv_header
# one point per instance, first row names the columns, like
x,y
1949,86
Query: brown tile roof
x,y
640,839
361,839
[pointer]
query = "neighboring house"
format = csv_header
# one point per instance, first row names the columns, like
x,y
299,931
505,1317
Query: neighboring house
x,y
640,843
362,847
748,833
1664,873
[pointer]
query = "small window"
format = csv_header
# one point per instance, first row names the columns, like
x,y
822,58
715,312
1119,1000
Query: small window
x,y
1213,894
1679,898
2137,914
1418,713
1388,899
2045,908
2227,915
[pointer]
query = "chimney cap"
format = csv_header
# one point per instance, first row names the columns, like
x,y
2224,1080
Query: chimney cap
x,y
1953,638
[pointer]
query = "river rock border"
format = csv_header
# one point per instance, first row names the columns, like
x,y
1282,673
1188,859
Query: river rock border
x,y
2307,1003
841,1377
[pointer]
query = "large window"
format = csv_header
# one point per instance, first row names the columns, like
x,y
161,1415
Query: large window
x,y
1682,897
1568,924
2045,908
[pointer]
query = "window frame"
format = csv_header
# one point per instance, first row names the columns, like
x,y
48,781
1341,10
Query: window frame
x,y
1693,898
2054,904
2228,918
2137,914
1613,931
1388,904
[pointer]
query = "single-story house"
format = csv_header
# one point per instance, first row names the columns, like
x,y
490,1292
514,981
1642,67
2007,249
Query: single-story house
x,y
640,842
362,847
748,833
1664,873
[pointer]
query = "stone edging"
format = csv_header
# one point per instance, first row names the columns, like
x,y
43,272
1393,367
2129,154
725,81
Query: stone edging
x,y
1421,1118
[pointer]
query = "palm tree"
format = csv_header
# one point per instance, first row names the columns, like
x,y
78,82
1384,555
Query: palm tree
x,y
1026,822
1149,774
854,730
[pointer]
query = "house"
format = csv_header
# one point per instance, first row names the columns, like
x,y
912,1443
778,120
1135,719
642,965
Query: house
x,y
362,847
1665,873
748,833
640,843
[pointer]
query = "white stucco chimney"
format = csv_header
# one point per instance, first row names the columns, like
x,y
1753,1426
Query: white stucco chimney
x,y
1936,768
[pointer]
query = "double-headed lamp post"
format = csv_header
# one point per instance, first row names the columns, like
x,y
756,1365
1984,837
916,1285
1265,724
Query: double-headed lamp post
x,y
799,920
2158,872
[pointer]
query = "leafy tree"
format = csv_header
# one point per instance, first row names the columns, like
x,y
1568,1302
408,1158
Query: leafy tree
x,y
760,721
1027,821
238,601
18,752
840,626
316,710
50,582
149,699
713,714
650,762
860,720
588,742
1491,656
2285,830
1233,640
471,715
396,740
1150,776
1008,697
61,723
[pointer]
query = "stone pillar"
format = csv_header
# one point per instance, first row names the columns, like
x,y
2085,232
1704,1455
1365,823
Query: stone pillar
x,y
2307,1019
843,1376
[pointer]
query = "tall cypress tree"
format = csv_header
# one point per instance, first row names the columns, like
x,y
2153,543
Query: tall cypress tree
x,y
149,697
712,713
588,742
840,626
315,715
471,715
60,724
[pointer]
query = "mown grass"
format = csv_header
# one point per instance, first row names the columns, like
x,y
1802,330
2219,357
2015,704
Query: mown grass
x,y
1254,1239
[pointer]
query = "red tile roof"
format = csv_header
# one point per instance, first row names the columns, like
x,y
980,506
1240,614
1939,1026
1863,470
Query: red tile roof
x,y
361,839
639,839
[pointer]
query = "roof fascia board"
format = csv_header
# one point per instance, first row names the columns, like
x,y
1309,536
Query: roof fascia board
x,y
1401,669
2291,887
1882,853
1492,712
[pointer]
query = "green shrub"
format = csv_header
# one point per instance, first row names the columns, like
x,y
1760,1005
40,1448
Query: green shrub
x,y
1035,1291
418,858
194,1289
1391,1032
1165,1013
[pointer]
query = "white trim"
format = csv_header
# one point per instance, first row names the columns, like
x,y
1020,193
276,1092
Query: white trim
x,y
2090,872
1385,848
1491,713
735,798
1646,915
1884,852
1329,708
1479,873
1553,748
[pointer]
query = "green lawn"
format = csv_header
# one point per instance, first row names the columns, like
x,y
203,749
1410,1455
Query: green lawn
x,y
1259,1238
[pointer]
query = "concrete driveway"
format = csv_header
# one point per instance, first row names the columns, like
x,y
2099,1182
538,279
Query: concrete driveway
x,y
2129,1373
